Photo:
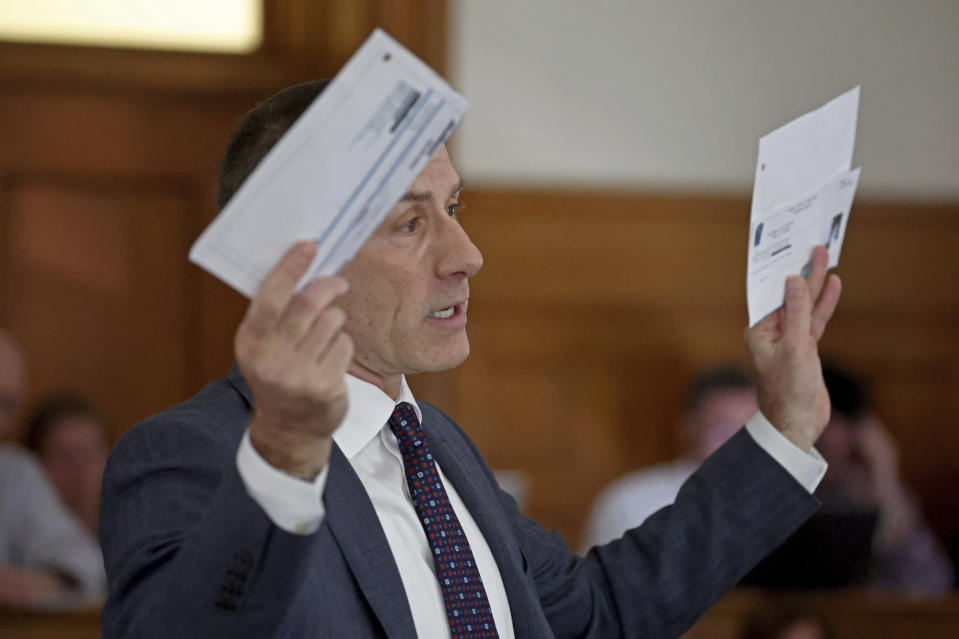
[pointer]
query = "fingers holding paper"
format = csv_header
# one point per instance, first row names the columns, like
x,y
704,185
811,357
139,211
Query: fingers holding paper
x,y
293,353
784,349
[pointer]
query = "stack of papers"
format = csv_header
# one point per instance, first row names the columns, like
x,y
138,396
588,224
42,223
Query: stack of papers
x,y
339,169
801,199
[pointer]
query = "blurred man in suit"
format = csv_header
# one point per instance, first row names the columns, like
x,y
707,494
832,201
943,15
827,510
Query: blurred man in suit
x,y
308,494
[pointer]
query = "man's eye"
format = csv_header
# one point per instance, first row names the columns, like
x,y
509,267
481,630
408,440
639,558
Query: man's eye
x,y
454,210
410,225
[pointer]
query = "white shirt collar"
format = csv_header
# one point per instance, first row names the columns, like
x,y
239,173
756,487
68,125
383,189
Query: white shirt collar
x,y
369,410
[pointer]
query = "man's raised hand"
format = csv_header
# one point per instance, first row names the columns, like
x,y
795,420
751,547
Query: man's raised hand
x,y
784,349
293,353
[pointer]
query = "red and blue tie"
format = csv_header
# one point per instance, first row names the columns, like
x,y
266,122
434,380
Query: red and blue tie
x,y
464,596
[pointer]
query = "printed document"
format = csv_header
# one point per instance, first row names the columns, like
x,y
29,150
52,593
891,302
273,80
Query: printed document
x,y
801,199
338,171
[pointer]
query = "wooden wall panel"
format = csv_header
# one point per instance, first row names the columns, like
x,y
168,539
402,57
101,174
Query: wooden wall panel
x,y
849,614
94,292
28,624
103,193
594,309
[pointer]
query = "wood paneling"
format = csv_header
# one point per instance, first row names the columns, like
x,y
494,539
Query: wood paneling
x,y
94,290
848,614
103,192
24,624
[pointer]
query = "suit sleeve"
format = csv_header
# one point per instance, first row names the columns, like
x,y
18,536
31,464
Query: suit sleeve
x,y
659,578
188,552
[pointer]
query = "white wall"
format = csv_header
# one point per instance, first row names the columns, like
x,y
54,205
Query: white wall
x,y
675,94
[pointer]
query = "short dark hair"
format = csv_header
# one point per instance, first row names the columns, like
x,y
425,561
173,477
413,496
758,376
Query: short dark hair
x,y
258,132
724,377
848,394
57,407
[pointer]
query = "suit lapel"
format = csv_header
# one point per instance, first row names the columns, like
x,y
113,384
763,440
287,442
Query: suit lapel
x,y
356,528
456,460
353,523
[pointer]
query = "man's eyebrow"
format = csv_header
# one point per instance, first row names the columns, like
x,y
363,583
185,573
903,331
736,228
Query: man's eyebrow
x,y
426,196
417,196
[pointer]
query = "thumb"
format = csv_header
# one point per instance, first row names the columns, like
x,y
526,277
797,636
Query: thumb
x,y
797,315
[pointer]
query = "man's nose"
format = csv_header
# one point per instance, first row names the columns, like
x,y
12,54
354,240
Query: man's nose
x,y
459,256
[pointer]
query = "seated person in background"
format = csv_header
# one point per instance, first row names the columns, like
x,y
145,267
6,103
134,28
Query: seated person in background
x,y
47,559
719,402
72,440
863,474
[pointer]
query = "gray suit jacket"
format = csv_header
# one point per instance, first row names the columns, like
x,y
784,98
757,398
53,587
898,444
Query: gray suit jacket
x,y
189,553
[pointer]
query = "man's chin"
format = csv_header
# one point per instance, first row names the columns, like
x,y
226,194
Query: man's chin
x,y
445,360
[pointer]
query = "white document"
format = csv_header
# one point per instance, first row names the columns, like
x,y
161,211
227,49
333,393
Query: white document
x,y
338,171
802,195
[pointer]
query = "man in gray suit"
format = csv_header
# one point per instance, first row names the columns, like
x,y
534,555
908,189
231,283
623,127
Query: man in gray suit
x,y
308,494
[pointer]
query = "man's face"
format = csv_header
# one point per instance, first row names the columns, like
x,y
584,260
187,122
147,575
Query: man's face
x,y
74,454
11,386
406,307
721,413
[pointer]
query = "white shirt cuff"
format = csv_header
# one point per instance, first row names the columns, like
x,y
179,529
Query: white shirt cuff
x,y
807,468
293,504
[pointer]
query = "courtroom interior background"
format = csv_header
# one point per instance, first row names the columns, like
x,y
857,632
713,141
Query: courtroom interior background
x,y
608,154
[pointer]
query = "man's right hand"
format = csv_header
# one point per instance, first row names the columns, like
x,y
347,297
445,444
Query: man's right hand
x,y
293,352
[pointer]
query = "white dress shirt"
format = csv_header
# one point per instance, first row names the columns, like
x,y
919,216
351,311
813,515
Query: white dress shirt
x,y
365,438
626,502
369,444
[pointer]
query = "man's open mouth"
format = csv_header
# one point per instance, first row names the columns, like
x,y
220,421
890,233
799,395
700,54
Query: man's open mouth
x,y
444,313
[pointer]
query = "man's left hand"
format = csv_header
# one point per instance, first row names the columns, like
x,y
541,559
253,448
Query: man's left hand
x,y
784,349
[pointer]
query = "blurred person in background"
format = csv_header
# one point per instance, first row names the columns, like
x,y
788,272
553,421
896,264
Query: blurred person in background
x,y
71,438
47,559
863,474
719,401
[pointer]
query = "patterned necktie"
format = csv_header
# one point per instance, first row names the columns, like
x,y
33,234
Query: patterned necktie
x,y
464,596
